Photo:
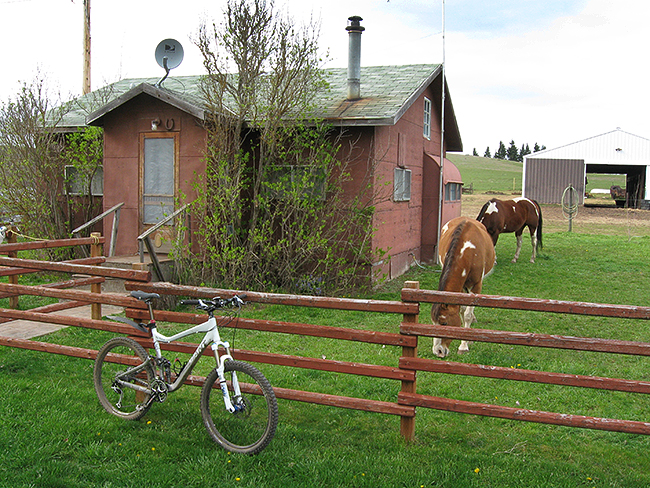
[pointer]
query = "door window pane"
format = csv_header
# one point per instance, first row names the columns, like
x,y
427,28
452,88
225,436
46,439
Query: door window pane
x,y
158,185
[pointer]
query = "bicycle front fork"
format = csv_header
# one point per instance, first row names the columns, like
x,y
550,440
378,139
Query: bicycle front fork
x,y
223,382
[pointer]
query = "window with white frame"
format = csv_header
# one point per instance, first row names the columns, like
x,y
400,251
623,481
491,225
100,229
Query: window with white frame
x,y
402,185
452,192
427,118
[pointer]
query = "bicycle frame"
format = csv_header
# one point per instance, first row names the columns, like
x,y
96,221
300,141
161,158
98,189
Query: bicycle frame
x,y
213,338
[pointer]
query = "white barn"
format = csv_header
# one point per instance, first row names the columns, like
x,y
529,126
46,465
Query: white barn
x,y
546,174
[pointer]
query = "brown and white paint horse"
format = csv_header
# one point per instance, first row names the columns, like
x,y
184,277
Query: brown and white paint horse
x,y
501,216
467,256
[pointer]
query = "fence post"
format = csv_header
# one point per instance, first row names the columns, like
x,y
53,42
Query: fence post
x,y
407,424
95,251
13,279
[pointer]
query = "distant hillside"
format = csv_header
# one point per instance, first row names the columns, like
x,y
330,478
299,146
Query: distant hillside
x,y
487,174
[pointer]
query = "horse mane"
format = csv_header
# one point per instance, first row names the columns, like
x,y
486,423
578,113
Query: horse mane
x,y
453,244
481,214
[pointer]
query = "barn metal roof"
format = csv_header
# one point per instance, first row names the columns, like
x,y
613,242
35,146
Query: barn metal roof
x,y
611,148
387,93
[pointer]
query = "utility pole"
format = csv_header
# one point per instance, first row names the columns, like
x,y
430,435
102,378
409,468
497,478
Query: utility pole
x,y
441,189
86,48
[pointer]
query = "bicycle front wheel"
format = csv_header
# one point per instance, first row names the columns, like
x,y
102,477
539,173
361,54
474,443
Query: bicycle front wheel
x,y
121,373
251,427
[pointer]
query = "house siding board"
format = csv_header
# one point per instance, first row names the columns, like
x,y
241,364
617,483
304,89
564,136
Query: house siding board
x,y
546,179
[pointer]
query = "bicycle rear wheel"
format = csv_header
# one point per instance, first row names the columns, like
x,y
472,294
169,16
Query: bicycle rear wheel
x,y
118,373
251,428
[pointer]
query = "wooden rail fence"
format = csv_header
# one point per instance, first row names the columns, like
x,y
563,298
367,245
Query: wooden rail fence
x,y
526,339
407,362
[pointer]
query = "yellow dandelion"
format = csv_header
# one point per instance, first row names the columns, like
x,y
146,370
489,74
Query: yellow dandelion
x,y
237,479
153,448
148,422
476,470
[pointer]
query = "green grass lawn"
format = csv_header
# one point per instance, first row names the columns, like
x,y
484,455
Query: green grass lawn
x,y
486,174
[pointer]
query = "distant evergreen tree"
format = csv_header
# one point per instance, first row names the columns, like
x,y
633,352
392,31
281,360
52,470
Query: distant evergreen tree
x,y
501,152
474,153
513,153
525,150
487,153
536,148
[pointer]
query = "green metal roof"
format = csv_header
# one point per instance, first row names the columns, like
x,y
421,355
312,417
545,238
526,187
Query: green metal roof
x,y
386,91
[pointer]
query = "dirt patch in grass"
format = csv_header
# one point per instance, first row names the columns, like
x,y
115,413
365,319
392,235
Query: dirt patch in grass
x,y
605,219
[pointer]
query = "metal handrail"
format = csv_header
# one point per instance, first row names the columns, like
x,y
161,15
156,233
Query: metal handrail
x,y
143,240
116,221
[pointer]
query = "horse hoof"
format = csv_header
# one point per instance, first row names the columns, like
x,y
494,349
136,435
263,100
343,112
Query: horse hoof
x,y
514,260
462,351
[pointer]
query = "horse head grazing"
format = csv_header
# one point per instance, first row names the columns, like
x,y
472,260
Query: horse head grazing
x,y
466,252
444,314
502,216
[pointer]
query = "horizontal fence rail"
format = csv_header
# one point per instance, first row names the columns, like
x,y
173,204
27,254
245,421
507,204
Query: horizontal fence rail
x,y
459,406
530,304
529,339
385,306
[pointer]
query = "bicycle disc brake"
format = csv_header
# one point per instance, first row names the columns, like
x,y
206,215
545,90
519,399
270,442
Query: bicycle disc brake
x,y
242,407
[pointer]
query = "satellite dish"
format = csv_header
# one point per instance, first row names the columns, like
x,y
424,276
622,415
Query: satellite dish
x,y
169,55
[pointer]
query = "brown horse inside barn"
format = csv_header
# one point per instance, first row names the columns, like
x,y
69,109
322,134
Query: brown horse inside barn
x,y
501,216
467,256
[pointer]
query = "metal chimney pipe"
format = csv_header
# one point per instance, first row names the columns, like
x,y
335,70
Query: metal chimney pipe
x,y
354,57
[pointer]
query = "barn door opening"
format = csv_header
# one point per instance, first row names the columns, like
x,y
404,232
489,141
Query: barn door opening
x,y
158,183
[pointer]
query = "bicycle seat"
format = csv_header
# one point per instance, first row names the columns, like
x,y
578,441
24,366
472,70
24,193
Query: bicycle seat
x,y
144,296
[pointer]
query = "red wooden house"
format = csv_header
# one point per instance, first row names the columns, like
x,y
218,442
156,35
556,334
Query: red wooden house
x,y
393,112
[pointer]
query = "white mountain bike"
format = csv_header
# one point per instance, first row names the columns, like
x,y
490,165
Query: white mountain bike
x,y
241,416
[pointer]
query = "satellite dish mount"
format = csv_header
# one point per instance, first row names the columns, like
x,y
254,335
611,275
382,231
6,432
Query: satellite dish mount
x,y
169,55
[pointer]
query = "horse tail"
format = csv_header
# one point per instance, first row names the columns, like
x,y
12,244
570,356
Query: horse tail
x,y
539,225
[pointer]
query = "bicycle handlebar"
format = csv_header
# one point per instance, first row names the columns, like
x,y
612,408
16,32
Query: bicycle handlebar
x,y
215,303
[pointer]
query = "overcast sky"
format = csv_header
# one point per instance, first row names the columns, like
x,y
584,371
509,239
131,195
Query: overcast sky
x,y
551,72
